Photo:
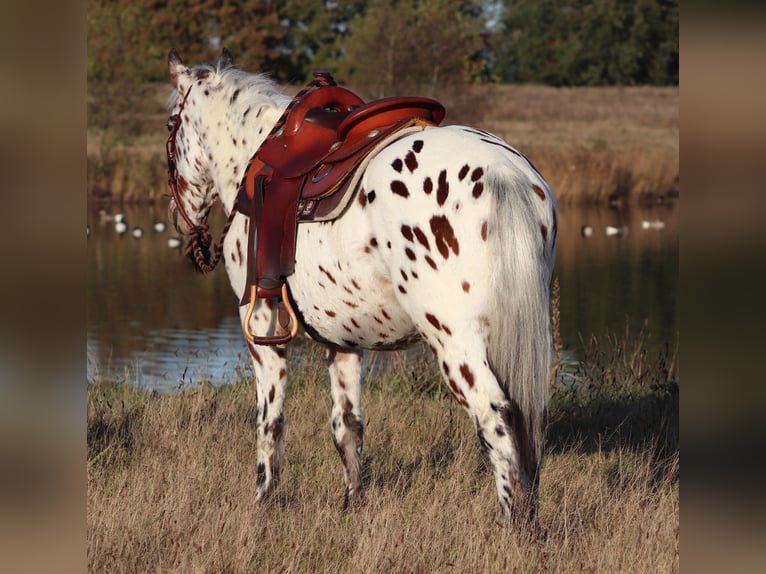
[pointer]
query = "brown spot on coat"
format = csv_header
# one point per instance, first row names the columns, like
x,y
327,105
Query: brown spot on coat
x,y
463,172
431,262
544,231
397,165
444,235
477,173
328,274
410,254
484,231
538,190
466,286
467,373
329,313
434,321
421,237
442,190
428,186
478,188
411,161
399,188
458,394
407,232
271,394
254,354
417,145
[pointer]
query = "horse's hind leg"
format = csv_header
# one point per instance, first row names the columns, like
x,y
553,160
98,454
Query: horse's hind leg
x,y
346,419
475,387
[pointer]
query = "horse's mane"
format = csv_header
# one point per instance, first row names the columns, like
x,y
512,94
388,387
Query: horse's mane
x,y
255,88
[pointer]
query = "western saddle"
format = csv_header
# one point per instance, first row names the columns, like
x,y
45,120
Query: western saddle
x,y
302,172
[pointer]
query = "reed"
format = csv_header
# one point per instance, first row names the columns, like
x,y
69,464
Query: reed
x,y
171,477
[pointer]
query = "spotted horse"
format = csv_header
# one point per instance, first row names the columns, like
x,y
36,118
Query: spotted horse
x,y
450,238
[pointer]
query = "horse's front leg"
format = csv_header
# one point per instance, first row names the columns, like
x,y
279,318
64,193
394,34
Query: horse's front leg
x,y
346,419
270,368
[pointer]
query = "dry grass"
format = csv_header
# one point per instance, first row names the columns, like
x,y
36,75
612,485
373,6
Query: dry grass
x,y
170,481
590,143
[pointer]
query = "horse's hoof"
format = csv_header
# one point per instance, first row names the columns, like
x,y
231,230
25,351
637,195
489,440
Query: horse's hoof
x,y
353,500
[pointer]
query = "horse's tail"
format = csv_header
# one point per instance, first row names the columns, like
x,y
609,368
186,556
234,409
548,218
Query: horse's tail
x,y
520,345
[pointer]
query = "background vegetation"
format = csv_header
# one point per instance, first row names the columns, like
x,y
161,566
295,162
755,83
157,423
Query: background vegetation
x,y
464,52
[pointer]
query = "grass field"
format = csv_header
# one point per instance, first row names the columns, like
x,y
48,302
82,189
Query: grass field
x,y
171,477
590,143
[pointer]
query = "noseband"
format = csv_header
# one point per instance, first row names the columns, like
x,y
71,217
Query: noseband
x,y
199,246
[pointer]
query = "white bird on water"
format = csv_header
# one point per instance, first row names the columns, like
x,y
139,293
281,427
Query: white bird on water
x,y
137,233
174,242
616,230
159,226
120,225
657,224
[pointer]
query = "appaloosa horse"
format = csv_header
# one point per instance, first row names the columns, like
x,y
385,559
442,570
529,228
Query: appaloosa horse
x,y
450,238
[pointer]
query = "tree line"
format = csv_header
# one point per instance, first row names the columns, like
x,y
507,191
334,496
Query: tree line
x,y
557,42
388,45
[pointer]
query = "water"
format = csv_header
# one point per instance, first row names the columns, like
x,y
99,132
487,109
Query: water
x,y
154,322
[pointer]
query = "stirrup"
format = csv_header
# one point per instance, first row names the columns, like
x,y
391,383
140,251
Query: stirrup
x,y
276,339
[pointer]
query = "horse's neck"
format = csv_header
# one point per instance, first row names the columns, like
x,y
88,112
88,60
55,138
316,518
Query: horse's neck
x,y
235,142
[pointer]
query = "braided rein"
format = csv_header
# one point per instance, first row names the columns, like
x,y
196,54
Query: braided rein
x,y
199,245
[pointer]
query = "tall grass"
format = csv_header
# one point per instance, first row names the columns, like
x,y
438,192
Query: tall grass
x,y
171,477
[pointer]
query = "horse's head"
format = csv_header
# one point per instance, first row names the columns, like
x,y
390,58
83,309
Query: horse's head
x,y
188,171
189,178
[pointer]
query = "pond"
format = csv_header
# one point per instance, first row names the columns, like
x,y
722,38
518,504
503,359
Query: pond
x,y
154,322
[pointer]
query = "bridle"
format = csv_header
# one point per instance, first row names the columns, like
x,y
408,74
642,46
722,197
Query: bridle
x,y
199,246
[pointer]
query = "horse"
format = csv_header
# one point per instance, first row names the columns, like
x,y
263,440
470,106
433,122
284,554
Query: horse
x,y
450,239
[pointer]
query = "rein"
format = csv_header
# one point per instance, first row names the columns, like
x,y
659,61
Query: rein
x,y
199,246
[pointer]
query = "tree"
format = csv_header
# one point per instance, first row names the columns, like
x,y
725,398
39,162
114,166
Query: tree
x,y
315,32
397,46
583,42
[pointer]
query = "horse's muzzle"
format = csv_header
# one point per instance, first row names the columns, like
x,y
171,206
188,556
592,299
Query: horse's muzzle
x,y
179,223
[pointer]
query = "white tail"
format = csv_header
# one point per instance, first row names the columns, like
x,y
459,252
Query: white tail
x,y
520,343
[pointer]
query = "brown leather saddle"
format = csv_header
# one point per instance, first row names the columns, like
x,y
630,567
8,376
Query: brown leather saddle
x,y
301,173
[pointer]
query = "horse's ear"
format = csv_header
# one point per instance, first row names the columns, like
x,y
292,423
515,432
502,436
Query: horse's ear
x,y
176,67
226,59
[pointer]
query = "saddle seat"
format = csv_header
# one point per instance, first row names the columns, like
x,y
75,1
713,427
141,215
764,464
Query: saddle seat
x,y
300,172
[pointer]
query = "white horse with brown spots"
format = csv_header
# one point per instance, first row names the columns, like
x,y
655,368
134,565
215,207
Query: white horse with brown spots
x,y
450,238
